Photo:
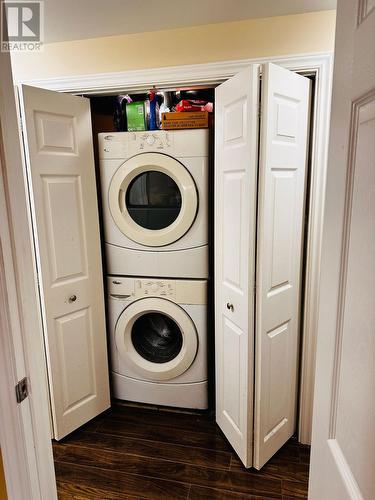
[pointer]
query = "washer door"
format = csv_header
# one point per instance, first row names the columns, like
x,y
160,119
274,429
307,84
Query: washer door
x,y
156,338
153,199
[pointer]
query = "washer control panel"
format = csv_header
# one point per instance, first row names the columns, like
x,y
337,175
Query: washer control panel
x,y
178,291
154,288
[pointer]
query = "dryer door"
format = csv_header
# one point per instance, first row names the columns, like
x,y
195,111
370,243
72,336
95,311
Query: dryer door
x,y
157,338
153,199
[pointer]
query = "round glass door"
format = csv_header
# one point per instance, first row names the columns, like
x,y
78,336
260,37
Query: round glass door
x,y
157,338
153,199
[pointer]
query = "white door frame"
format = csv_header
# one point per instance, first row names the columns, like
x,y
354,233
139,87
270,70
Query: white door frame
x,y
24,427
24,262
342,457
214,73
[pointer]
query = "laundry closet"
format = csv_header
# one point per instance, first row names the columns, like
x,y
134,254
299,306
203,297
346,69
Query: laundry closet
x,y
170,263
155,216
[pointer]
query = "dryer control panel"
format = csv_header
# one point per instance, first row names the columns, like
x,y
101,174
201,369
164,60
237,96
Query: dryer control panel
x,y
179,143
158,141
127,144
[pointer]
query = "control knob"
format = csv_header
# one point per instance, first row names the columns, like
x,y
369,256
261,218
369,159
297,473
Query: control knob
x,y
150,140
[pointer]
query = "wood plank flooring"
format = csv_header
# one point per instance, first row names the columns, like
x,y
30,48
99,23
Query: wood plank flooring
x,y
133,452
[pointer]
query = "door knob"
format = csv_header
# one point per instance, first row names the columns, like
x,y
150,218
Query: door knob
x,y
72,298
230,306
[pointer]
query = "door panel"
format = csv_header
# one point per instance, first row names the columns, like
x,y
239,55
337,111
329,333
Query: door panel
x,y
235,211
55,133
343,443
232,231
282,169
65,217
76,361
65,226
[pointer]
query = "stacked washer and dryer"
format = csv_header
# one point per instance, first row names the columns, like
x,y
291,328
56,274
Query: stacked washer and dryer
x,y
155,214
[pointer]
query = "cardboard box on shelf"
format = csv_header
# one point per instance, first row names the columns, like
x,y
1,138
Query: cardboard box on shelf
x,y
176,120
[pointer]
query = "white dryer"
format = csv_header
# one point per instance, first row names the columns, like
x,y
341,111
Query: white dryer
x,y
155,202
158,340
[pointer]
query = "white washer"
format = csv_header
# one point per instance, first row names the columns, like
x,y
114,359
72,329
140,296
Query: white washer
x,y
155,202
158,340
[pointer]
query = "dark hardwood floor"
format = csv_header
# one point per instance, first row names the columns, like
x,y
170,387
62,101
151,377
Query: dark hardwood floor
x,y
132,452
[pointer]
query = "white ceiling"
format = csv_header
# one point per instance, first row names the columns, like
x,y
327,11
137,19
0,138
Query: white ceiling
x,y
79,19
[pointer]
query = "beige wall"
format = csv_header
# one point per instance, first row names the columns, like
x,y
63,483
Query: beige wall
x,y
296,34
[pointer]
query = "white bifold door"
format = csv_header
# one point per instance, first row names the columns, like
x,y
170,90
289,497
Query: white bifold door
x,y
61,175
260,181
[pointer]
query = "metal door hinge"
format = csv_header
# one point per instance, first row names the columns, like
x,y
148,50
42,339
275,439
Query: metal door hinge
x,y
22,390
259,109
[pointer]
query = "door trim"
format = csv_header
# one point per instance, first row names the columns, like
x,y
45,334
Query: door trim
x,y
192,74
318,64
25,427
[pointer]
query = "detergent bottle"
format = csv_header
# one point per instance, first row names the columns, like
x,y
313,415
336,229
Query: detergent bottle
x,y
154,111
